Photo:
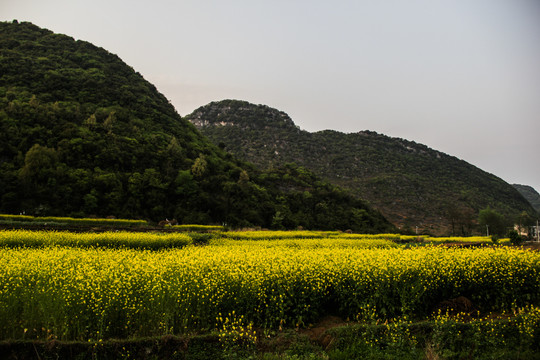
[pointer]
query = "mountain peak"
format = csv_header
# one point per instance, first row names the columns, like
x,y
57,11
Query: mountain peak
x,y
240,114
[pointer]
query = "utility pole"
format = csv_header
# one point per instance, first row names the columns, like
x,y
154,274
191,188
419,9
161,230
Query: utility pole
x,y
487,230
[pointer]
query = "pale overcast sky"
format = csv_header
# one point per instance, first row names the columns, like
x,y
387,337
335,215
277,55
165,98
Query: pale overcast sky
x,y
461,76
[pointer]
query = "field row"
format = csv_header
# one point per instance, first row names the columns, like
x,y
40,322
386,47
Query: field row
x,y
6,218
133,240
93,293
156,241
296,235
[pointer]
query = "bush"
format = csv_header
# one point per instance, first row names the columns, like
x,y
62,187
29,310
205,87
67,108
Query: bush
x,y
515,238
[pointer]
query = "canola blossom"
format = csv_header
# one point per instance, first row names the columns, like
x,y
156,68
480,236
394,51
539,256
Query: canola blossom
x,y
122,239
306,234
75,293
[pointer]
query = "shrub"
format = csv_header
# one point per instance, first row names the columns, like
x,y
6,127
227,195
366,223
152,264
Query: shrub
x,y
515,238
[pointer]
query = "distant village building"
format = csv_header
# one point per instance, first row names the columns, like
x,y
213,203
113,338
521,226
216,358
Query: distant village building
x,y
521,230
528,231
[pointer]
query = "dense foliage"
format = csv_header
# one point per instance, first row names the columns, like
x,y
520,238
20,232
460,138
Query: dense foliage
x,y
530,194
411,184
82,133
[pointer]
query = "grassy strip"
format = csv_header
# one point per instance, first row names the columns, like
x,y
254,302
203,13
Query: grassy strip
x,y
308,243
197,228
17,223
73,221
167,347
308,234
277,235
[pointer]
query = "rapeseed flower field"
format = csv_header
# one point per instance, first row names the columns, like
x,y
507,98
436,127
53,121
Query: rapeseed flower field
x,y
72,290
118,239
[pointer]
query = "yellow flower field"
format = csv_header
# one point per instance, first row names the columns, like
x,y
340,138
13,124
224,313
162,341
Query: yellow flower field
x,y
96,293
122,239
307,234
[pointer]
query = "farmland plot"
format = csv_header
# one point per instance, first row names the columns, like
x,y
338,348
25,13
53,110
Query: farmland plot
x,y
82,293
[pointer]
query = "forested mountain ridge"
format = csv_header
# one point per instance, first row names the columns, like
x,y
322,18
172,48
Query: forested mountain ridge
x,y
82,133
411,184
529,193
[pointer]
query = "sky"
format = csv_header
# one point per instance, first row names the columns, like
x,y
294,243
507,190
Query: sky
x,y
460,76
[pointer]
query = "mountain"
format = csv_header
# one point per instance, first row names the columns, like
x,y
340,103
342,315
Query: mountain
x,y
82,133
530,194
411,184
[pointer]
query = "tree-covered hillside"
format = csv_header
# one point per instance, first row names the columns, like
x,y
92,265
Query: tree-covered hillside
x,y
82,133
411,184
529,193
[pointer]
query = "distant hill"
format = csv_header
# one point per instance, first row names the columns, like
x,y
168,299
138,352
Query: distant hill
x,y
82,133
530,194
411,184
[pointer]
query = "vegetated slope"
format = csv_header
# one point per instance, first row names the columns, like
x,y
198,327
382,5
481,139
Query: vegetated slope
x,y
411,184
529,193
82,133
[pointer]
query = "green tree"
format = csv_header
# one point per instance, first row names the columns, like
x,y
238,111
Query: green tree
x,y
491,221
277,220
199,167
39,162
39,179
90,202
185,184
